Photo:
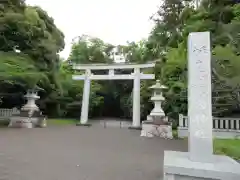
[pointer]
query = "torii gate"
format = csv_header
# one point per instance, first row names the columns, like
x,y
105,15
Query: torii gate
x,y
137,76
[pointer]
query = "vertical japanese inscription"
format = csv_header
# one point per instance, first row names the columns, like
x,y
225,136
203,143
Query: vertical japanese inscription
x,y
201,80
199,98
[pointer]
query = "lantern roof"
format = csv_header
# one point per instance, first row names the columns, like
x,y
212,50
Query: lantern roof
x,y
158,85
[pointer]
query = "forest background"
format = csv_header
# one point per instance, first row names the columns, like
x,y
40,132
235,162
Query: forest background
x,y
30,43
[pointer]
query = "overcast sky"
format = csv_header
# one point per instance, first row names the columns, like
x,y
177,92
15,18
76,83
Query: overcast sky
x,y
114,21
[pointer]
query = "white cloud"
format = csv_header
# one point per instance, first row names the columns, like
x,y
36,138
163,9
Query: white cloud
x,y
113,21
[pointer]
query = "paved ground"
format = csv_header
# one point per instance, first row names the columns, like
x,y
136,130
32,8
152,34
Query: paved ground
x,y
81,153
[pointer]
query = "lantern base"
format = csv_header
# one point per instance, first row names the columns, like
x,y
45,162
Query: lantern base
x,y
152,129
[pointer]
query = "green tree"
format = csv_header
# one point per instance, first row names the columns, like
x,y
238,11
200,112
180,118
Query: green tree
x,y
168,41
29,33
90,50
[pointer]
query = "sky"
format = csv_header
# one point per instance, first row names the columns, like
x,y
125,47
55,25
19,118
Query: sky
x,y
113,21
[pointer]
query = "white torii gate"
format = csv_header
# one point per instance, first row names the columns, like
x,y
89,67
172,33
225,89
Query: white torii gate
x,y
137,76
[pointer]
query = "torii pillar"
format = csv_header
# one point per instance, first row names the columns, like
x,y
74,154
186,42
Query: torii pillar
x,y
136,123
85,99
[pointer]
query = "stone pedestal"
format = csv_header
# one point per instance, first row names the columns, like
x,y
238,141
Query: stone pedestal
x,y
149,129
178,166
20,122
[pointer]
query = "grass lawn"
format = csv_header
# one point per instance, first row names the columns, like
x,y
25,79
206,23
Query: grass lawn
x,y
229,147
62,121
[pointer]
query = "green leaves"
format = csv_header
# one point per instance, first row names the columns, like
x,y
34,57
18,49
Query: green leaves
x,y
89,50
19,68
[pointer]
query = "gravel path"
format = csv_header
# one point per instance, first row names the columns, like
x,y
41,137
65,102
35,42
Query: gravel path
x,y
81,153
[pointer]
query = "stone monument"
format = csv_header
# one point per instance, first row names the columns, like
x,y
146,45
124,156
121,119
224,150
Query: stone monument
x,y
199,163
157,123
30,116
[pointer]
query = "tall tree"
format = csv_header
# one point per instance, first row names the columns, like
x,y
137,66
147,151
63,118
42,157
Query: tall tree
x,y
28,34
87,49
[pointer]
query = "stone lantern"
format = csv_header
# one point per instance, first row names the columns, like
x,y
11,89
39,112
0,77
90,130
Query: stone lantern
x,y
157,99
31,97
157,123
30,116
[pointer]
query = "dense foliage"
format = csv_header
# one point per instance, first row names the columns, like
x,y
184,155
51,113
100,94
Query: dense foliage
x,y
30,43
